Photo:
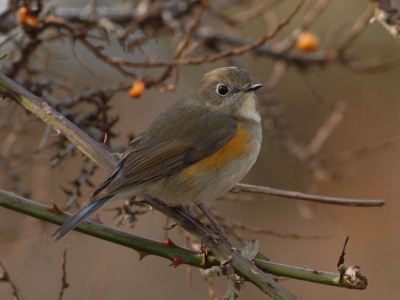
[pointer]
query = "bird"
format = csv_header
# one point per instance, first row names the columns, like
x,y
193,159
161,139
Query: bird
x,y
194,151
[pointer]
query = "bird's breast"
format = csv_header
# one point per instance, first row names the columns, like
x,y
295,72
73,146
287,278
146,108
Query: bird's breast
x,y
242,145
215,174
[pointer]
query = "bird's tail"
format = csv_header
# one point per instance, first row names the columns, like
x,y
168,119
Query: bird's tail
x,y
78,217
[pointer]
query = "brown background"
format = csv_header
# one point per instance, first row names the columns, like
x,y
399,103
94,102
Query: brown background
x,y
100,270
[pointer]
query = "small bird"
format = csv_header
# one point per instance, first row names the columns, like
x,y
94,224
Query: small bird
x,y
195,151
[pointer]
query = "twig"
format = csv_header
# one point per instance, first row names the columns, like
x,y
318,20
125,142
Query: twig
x,y
206,58
347,156
307,197
5,277
234,224
64,283
330,124
255,11
40,108
210,286
358,27
314,11
185,41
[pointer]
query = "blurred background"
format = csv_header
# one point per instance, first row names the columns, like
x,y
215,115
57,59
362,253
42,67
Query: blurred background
x,y
301,91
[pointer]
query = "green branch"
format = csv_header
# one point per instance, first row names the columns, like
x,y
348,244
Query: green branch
x,y
166,249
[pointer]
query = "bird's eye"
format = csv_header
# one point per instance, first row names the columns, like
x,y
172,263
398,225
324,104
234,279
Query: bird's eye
x,y
222,90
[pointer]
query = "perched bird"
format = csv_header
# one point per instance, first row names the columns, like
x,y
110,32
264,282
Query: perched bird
x,y
195,151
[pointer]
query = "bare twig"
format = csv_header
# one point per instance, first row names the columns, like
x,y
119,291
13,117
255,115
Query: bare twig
x,y
64,283
350,155
307,197
330,124
210,286
358,27
232,225
6,278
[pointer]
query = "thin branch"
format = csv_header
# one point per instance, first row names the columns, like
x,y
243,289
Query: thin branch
x,y
63,127
185,41
6,278
207,58
330,124
358,27
347,156
307,197
64,283
234,224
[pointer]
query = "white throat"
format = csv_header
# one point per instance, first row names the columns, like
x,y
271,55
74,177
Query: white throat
x,y
249,108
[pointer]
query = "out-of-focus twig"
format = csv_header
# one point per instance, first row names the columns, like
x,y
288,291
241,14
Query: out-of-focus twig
x,y
64,283
232,225
359,26
351,155
330,124
6,278
63,127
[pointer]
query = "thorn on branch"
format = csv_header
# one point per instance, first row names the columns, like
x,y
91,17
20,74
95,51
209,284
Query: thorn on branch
x,y
177,261
169,243
142,255
55,208
96,219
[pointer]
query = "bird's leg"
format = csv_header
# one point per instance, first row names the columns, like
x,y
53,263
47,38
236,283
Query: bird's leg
x,y
221,234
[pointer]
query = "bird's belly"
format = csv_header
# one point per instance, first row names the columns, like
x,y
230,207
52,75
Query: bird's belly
x,y
211,177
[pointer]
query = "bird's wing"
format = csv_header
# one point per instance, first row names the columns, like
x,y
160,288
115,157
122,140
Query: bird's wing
x,y
156,155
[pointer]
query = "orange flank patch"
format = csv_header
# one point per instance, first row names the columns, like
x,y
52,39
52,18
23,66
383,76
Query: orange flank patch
x,y
236,148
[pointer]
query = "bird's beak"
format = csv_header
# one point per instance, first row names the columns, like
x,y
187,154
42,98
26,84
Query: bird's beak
x,y
253,87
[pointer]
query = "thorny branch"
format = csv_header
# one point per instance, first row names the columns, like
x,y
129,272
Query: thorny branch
x,y
167,249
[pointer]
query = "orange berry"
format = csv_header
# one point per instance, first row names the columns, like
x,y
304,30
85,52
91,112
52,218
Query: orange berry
x,y
21,15
26,18
307,41
137,89
31,20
